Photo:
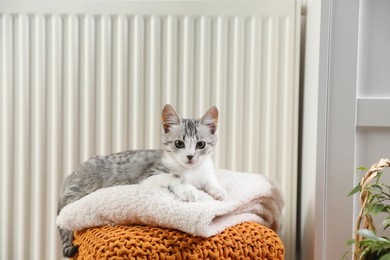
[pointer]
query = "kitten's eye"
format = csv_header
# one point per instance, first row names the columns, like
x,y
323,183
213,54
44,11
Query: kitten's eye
x,y
200,145
180,144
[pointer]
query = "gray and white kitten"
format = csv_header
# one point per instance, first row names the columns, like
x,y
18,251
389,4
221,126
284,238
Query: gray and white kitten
x,y
184,166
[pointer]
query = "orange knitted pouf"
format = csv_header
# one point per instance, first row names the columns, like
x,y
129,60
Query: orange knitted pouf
x,y
243,241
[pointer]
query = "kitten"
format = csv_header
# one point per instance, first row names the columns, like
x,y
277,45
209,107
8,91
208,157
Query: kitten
x,y
184,166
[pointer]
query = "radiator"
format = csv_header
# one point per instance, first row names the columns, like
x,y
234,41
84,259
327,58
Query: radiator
x,y
72,86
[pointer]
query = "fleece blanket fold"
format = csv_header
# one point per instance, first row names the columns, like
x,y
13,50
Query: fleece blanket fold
x,y
251,197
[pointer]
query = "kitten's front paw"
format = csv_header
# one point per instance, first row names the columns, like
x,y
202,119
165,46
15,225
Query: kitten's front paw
x,y
186,193
218,193
189,196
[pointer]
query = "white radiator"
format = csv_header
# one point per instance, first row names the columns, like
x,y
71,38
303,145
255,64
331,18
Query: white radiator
x,y
72,86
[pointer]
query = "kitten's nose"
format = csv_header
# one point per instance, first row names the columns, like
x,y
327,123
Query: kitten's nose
x,y
190,157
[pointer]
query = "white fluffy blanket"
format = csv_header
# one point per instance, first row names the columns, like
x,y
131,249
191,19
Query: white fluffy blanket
x,y
251,197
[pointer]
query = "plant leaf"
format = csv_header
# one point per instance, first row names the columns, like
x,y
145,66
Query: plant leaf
x,y
378,176
385,257
377,208
376,187
386,223
368,234
358,188
346,255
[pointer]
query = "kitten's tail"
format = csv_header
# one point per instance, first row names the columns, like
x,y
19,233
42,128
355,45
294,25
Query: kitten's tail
x,y
68,249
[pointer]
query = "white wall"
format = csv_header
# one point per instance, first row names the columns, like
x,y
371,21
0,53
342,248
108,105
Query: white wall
x,y
373,91
353,123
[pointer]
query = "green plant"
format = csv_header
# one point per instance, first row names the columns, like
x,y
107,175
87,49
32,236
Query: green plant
x,y
374,199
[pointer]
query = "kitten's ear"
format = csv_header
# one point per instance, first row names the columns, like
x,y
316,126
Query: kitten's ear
x,y
169,117
210,119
